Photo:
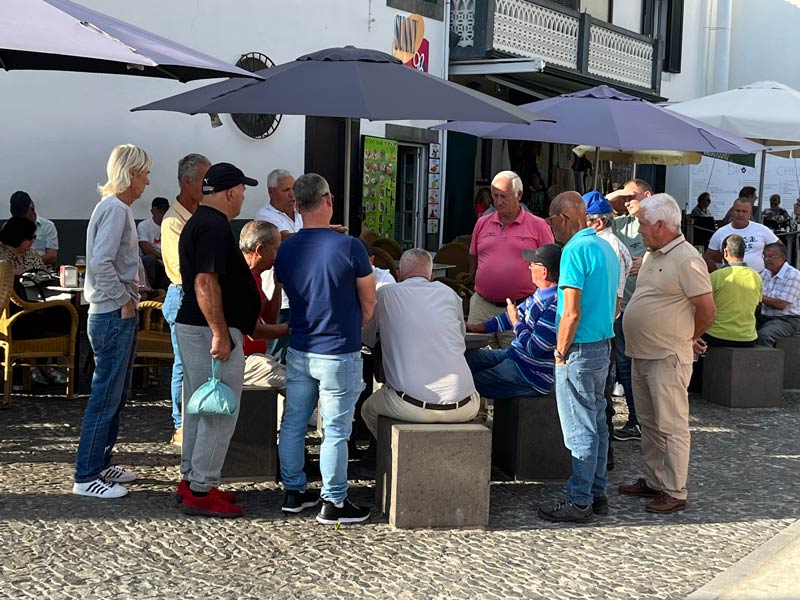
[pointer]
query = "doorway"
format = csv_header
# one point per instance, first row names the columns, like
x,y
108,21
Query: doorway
x,y
410,202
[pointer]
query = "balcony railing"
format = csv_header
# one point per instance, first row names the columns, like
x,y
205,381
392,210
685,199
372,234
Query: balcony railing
x,y
560,36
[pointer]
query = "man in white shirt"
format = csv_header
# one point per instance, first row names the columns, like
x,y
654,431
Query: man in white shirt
x,y
149,234
281,211
780,310
46,242
755,236
421,327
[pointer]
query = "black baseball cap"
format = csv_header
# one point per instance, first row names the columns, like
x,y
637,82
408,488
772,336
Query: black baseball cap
x,y
160,202
548,255
224,176
20,203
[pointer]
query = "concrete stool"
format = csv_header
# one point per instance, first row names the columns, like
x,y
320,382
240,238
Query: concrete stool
x,y
253,452
433,474
791,361
743,377
527,442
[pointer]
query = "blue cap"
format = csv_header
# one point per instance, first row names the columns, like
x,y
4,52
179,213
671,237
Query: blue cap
x,y
596,203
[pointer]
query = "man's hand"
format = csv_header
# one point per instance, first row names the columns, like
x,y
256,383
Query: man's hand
x,y
339,228
511,310
699,345
221,347
128,310
476,327
636,264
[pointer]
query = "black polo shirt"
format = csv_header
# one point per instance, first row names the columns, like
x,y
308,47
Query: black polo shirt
x,y
207,245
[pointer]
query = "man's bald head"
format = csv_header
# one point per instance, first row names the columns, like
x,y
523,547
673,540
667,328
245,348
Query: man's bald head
x,y
568,202
567,216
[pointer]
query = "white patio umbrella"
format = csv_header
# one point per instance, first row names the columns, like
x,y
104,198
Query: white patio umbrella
x,y
767,112
640,157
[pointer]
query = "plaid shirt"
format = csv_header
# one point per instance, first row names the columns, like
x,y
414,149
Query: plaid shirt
x,y
785,285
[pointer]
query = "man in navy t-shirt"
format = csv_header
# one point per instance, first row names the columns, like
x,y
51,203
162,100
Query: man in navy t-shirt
x,y
328,279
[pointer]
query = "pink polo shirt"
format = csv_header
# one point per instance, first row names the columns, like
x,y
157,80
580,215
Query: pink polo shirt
x,y
502,271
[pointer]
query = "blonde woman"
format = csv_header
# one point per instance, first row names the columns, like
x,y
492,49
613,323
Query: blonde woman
x,y
112,289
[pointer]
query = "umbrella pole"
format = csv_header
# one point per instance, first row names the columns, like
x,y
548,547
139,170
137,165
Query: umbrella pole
x,y
596,166
761,183
348,152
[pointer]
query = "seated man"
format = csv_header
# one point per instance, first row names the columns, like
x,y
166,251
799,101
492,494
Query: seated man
x,y
149,234
421,328
46,239
259,242
780,313
737,293
526,368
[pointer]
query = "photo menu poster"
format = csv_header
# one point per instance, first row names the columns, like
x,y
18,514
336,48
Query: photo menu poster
x,y
434,185
379,183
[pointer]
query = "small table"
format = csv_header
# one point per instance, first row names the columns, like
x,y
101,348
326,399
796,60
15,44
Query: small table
x,y
476,340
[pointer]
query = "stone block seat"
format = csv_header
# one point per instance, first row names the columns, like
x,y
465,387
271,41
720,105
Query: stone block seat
x,y
791,361
253,452
433,474
744,377
527,442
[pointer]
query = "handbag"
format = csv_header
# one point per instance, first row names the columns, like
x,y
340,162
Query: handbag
x,y
32,285
213,398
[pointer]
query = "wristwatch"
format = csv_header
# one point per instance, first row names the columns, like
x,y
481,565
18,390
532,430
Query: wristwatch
x,y
558,354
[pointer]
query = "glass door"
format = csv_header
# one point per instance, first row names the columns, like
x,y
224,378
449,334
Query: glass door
x,y
409,217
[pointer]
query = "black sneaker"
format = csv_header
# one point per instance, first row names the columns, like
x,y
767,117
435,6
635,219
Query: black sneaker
x,y
330,514
563,511
628,433
295,501
600,506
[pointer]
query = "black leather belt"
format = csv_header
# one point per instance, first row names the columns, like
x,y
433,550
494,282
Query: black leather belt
x,y
431,405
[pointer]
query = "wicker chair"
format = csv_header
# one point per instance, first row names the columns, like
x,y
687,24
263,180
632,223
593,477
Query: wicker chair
x,y
463,239
153,342
369,236
458,255
384,260
19,351
394,249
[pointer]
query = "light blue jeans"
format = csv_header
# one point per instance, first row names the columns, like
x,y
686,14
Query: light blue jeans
x,y
582,410
170,311
113,341
335,380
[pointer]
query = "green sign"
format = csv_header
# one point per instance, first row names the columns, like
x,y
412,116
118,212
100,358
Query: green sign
x,y
379,185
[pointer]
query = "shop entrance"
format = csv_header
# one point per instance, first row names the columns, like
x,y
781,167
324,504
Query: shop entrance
x,y
410,202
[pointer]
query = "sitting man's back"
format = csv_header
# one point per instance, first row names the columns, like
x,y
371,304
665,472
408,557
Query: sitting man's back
x,y
421,329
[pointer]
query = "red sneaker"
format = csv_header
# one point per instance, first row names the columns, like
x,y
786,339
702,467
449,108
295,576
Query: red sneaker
x,y
210,505
183,488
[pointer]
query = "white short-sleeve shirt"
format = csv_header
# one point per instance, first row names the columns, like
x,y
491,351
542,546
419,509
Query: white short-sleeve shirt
x,y
755,236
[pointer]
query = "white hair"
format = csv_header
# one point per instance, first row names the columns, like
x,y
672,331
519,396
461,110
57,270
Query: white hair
x,y
274,175
661,207
516,182
124,160
416,261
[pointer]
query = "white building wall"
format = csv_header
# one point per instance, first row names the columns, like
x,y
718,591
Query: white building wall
x,y
58,128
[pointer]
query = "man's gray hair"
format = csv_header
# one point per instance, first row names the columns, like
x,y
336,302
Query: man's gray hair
x,y
778,247
662,207
416,261
188,166
255,233
606,218
735,245
275,174
309,190
516,182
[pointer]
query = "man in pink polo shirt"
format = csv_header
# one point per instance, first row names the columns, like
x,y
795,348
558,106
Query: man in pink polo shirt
x,y
497,243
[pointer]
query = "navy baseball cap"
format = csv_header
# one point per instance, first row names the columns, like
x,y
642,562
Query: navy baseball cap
x,y
596,203
224,176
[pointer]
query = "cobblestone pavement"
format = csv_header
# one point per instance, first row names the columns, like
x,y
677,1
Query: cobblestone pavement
x,y
744,488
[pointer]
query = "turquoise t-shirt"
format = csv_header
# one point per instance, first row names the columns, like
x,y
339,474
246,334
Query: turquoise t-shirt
x,y
589,264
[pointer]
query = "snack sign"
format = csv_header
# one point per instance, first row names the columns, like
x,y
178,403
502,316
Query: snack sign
x,y
379,185
409,44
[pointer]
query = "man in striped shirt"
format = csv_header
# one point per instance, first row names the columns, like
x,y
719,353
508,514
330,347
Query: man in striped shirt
x,y
526,368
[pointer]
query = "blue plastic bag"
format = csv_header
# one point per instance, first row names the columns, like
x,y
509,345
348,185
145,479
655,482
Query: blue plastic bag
x,y
213,398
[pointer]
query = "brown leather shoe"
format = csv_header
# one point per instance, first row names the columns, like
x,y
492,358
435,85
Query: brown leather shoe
x,y
638,488
664,503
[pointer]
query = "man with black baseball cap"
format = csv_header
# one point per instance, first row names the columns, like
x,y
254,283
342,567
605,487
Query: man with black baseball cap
x,y
46,242
526,368
221,303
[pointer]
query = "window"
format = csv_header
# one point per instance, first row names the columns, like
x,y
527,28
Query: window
x,y
433,9
664,18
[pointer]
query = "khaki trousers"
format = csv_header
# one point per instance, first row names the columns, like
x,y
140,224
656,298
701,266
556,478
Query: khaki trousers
x,y
662,407
386,402
480,311
261,370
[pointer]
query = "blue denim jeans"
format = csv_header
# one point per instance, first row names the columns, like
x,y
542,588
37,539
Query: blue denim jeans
x,y
497,376
582,410
335,381
170,311
113,341
624,370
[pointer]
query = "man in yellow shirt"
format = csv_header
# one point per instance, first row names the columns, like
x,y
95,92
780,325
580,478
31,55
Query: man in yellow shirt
x,y
191,170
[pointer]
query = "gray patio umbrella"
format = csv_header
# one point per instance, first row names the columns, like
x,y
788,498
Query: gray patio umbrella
x,y
347,82
59,35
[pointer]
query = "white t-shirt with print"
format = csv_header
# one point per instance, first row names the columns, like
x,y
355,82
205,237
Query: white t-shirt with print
x,y
755,236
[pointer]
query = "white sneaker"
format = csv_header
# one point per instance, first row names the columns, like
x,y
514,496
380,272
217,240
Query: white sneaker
x,y
619,391
117,474
100,488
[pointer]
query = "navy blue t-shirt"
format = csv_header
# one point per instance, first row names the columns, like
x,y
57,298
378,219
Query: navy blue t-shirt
x,y
318,268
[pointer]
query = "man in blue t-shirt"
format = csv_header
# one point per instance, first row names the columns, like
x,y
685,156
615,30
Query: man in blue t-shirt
x,y
328,279
587,295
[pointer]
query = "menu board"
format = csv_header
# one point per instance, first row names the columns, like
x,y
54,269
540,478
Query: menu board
x,y
434,184
379,181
